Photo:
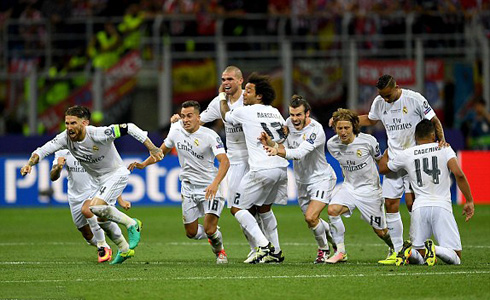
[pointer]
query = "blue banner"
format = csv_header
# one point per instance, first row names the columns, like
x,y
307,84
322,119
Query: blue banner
x,y
158,184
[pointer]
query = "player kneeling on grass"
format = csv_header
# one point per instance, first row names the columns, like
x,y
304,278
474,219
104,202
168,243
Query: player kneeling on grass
x,y
81,186
357,154
197,146
429,166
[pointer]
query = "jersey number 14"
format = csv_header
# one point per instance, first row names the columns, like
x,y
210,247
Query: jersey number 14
x,y
434,172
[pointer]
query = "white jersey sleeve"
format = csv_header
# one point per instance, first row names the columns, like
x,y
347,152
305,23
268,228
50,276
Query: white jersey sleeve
x,y
59,142
212,112
170,139
316,138
216,144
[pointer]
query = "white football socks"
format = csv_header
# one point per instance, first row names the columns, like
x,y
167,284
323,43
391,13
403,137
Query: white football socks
x,y
201,234
338,230
114,233
113,214
320,235
269,222
416,258
248,222
395,227
216,241
97,231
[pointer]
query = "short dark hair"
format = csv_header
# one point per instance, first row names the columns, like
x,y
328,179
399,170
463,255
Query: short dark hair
x,y
192,103
385,81
424,129
263,87
297,101
343,114
81,112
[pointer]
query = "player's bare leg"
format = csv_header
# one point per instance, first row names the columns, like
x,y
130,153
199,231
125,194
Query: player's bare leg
x,y
312,218
104,251
215,237
338,230
88,235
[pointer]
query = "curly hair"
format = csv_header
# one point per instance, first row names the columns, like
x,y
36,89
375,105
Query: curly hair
x,y
263,87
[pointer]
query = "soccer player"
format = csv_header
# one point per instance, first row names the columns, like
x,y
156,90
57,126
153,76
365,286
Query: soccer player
x,y
315,178
81,186
266,181
197,146
231,85
399,110
94,148
429,166
357,154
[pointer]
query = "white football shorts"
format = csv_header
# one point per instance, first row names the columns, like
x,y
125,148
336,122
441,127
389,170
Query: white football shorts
x,y
195,205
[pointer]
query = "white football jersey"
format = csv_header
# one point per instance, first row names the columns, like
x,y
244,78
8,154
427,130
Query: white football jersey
x,y
400,118
80,184
196,152
307,149
358,163
235,140
96,153
429,174
256,119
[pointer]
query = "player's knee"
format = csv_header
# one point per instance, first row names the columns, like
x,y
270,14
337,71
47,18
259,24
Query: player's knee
x,y
311,220
191,234
392,205
333,211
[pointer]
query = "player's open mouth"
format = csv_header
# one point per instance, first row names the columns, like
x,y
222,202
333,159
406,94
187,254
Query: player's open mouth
x,y
71,133
227,88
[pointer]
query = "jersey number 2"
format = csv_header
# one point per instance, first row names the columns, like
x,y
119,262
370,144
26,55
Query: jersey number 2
x,y
434,172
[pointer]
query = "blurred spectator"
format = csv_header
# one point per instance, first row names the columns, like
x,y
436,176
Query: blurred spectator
x,y
104,48
476,127
33,31
130,28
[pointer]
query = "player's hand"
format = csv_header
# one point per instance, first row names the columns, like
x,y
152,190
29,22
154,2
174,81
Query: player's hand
x,y
468,210
330,122
126,205
136,165
271,151
444,144
221,89
61,161
211,191
157,154
175,118
222,96
265,139
25,170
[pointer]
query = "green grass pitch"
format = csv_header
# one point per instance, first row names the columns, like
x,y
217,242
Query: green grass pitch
x,y
42,255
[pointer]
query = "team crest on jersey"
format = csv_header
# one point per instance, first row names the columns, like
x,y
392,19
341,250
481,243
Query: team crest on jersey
x,y
312,138
108,132
359,153
95,148
405,110
196,142
304,136
219,143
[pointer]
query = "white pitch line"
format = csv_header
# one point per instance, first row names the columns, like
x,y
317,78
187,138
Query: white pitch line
x,y
198,278
197,244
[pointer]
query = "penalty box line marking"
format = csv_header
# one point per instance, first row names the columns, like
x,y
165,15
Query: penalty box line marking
x,y
319,276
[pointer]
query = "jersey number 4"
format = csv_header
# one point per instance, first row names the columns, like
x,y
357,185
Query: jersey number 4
x,y
434,172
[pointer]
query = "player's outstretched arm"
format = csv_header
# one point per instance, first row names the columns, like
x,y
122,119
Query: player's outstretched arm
x,y
365,121
224,165
56,169
464,186
383,163
33,160
150,160
155,153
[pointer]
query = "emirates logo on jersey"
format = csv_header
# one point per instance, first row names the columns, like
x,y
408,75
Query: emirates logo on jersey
x,y
359,153
196,142
405,110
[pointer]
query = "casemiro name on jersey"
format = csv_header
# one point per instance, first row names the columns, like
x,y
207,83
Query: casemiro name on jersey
x,y
426,150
